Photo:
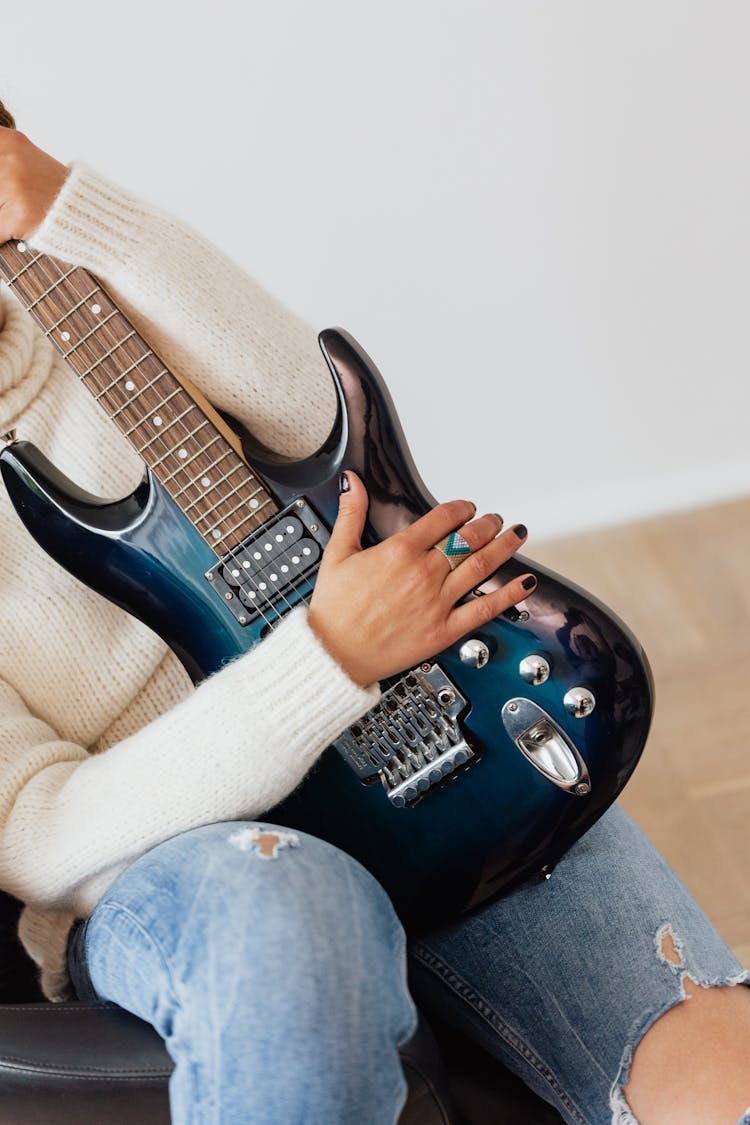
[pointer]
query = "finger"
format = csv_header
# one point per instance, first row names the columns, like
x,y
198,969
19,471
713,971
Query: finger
x,y
346,534
438,523
476,534
477,568
481,531
8,222
472,614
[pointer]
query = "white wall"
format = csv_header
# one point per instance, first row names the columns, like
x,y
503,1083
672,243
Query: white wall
x,y
533,214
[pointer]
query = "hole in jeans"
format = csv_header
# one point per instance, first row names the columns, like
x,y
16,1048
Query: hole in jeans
x,y
263,842
670,952
667,946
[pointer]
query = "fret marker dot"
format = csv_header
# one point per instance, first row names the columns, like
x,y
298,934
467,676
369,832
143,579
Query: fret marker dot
x,y
216,533
253,503
182,452
274,577
21,247
262,585
305,550
65,336
251,594
205,482
257,555
290,528
246,564
295,558
156,420
284,568
278,538
96,308
269,546
130,385
235,574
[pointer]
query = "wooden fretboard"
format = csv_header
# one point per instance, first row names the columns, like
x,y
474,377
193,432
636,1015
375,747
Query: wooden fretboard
x,y
181,441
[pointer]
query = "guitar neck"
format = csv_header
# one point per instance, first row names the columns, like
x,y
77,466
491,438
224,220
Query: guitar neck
x,y
180,437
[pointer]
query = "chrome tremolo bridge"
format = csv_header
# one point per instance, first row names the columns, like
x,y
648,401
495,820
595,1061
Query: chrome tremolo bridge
x,y
412,739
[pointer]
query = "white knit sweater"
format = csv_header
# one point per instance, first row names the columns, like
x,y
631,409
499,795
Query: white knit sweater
x,y
105,749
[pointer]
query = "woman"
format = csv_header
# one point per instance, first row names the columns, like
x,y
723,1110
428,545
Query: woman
x,y
272,964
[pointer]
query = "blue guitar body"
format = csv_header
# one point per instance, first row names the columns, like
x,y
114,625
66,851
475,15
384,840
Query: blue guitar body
x,y
487,825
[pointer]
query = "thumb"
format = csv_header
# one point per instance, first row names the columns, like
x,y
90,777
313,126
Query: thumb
x,y
346,535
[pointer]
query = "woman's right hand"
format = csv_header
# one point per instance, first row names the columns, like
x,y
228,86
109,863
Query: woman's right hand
x,y
383,609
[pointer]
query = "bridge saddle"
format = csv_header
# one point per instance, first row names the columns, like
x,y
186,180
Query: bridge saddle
x,y
412,739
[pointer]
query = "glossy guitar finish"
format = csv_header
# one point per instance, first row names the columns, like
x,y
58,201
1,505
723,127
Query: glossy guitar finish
x,y
486,828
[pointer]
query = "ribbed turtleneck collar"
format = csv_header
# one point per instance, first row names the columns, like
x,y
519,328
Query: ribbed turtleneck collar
x,y
25,360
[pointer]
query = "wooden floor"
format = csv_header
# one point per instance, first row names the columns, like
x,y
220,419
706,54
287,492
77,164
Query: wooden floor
x,y
682,583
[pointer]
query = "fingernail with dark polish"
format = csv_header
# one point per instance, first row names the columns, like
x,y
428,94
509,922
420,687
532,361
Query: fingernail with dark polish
x,y
520,531
529,582
344,483
499,517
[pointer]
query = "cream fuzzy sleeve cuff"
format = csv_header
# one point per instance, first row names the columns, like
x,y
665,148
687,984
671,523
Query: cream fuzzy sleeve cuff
x,y
236,746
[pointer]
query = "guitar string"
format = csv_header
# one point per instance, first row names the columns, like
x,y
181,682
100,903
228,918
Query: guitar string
x,y
255,594
367,721
154,410
231,554
287,558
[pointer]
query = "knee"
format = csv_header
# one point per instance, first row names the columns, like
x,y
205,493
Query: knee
x,y
299,932
242,870
693,1064
262,911
281,889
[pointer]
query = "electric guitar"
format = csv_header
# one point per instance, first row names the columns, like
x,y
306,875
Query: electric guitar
x,y
479,767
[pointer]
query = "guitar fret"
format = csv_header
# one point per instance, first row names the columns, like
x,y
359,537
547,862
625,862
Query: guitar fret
x,y
207,474
189,460
90,333
193,483
249,516
127,372
186,438
222,500
164,429
48,291
231,472
14,279
155,410
130,401
236,508
71,310
106,355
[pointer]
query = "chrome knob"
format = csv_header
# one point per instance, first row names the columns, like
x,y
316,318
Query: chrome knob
x,y
534,669
579,701
474,653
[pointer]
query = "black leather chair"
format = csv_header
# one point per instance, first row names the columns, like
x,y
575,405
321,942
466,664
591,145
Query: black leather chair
x,y
87,1064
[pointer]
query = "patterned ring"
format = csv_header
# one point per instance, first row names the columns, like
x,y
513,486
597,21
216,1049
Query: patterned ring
x,y
454,547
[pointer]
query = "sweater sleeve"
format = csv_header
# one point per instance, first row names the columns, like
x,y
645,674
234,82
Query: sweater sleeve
x,y
246,737
197,309
232,749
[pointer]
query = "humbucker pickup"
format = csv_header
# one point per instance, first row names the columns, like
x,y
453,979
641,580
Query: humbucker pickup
x,y
267,573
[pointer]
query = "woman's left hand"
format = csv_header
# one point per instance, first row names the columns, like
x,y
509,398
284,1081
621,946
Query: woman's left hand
x,y
30,181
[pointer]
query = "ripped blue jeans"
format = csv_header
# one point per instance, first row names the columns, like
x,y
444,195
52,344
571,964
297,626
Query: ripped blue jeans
x,y
275,968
